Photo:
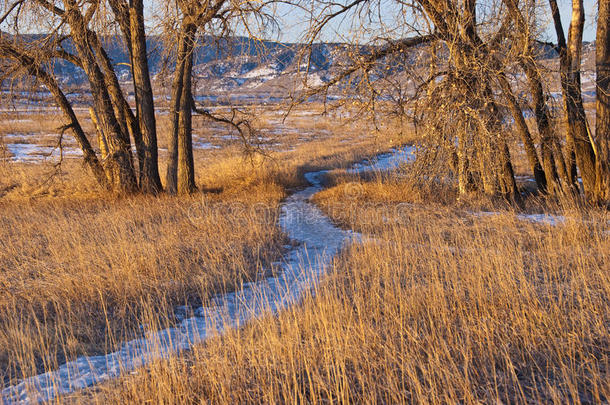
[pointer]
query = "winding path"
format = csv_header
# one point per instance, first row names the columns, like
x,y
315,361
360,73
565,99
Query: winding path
x,y
318,241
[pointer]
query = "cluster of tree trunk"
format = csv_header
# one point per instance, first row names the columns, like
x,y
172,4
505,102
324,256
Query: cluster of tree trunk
x,y
468,106
117,125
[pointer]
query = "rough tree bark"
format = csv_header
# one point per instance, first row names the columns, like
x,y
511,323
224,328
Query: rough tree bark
x,y
119,163
186,167
541,111
150,180
183,70
577,135
524,132
545,129
458,28
602,124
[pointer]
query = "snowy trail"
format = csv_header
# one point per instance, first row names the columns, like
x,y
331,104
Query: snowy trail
x,y
318,241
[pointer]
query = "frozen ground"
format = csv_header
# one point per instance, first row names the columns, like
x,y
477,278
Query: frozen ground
x,y
28,152
387,161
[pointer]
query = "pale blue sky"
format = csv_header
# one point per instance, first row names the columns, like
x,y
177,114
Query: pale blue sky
x,y
590,10
295,23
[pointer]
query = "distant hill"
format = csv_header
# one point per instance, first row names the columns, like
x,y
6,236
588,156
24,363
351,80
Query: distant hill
x,y
244,67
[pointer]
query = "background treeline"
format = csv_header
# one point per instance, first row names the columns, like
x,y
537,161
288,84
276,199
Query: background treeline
x,y
469,74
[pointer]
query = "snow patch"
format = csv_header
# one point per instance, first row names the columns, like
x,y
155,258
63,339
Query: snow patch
x,y
28,152
259,72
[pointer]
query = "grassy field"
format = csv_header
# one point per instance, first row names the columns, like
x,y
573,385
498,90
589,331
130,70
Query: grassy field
x,y
436,304
81,271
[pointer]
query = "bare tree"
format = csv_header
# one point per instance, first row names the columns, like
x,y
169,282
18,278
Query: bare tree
x,y
197,20
130,17
22,61
580,149
473,96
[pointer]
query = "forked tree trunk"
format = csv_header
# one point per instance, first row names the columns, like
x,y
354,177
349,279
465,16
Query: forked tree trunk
x,y
524,133
473,48
602,123
180,176
142,127
541,111
186,166
543,121
178,83
578,136
119,161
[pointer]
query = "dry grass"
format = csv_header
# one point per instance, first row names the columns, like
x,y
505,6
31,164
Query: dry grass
x,y
79,274
81,271
435,306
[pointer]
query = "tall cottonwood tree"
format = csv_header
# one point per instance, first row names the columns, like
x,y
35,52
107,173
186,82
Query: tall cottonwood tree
x,y
195,21
130,17
580,149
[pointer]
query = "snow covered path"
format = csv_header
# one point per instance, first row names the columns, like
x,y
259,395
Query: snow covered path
x,y
318,241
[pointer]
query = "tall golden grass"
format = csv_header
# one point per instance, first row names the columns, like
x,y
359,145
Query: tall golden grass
x,y
81,271
435,305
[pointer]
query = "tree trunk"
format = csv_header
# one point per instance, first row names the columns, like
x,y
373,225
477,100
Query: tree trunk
x,y
509,185
171,180
89,156
186,167
577,136
473,47
524,133
602,123
119,159
145,107
543,121
465,185
541,111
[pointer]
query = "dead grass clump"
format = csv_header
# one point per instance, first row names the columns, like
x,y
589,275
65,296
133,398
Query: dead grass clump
x,y
81,271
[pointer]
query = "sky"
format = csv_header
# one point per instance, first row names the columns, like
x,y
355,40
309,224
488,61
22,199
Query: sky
x,y
590,12
295,23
